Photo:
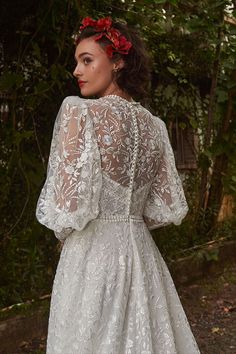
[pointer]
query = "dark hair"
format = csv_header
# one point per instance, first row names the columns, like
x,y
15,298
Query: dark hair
x,y
134,77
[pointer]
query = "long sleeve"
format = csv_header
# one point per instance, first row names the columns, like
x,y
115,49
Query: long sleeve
x,y
70,196
166,201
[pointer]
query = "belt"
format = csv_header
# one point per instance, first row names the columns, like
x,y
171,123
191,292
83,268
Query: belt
x,y
117,218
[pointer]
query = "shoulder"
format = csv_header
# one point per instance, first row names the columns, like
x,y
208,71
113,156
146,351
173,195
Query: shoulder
x,y
72,102
76,101
86,107
157,121
161,127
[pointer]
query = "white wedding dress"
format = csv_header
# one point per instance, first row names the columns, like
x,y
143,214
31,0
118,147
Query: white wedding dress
x,y
112,177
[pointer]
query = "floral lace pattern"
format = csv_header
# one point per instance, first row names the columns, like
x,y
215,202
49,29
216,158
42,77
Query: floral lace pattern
x,y
111,176
69,198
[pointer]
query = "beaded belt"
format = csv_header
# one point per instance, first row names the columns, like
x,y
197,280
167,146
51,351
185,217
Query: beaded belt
x,y
125,218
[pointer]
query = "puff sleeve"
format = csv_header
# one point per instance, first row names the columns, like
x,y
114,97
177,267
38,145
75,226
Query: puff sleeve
x,y
166,201
70,196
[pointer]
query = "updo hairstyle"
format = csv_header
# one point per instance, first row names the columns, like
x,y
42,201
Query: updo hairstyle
x,y
134,77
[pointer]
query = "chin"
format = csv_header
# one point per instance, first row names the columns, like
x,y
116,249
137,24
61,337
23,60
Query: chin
x,y
86,93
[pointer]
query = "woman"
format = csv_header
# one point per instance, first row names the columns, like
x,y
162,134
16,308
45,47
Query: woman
x,y
112,177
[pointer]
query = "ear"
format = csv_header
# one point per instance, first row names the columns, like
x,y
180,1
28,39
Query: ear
x,y
119,64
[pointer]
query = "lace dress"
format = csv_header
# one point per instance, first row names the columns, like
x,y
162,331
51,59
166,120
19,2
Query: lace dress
x,y
111,177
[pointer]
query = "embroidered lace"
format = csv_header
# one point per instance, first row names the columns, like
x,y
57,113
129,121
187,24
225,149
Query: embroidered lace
x,y
111,168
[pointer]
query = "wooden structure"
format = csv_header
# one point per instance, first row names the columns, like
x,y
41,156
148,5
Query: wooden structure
x,y
185,144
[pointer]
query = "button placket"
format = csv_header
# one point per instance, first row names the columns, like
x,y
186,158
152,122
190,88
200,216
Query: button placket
x,y
134,160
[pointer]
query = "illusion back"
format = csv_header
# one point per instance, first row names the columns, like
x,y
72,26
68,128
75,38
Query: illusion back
x,y
130,148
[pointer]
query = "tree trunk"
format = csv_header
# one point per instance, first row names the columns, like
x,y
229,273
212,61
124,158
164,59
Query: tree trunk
x,y
203,191
211,110
219,170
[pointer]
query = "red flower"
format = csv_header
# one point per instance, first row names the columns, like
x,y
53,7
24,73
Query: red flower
x,y
109,50
114,35
88,22
103,24
124,45
118,44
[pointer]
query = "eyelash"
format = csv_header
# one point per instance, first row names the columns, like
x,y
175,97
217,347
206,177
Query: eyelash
x,y
87,61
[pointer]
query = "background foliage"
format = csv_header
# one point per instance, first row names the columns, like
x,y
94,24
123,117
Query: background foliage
x,y
192,45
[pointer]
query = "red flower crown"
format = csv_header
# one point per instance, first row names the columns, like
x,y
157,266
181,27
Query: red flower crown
x,y
118,44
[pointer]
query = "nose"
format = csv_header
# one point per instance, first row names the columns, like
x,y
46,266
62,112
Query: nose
x,y
77,72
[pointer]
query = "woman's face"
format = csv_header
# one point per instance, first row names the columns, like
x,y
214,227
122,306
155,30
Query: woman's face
x,y
94,69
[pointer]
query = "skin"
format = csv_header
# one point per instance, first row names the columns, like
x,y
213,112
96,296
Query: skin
x,y
96,69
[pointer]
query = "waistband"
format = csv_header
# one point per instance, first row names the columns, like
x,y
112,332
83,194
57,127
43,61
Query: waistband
x,y
117,218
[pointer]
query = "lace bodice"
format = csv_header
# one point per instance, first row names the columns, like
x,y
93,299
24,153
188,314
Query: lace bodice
x,y
109,157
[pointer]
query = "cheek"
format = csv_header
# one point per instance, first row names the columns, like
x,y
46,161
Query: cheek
x,y
96,70
102,71
104,76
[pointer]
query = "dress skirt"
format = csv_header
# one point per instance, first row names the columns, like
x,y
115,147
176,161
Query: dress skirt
x,y
113,294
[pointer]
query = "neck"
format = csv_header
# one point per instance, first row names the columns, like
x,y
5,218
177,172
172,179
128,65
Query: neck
x,y
115,90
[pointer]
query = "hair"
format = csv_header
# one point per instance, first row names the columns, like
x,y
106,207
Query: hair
x,y
134,77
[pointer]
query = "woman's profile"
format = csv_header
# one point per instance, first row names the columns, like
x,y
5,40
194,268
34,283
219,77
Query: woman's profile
x,y
111,178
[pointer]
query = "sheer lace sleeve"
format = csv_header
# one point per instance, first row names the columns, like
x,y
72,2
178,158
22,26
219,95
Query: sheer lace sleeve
x,y
166,201
70,196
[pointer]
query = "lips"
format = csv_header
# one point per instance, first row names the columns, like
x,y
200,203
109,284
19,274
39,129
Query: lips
x,y
81,83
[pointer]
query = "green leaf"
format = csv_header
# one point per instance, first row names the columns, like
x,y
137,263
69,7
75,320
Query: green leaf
x,y
31,102
204,159
231,84
169,91
212,255
54,72
193,122
41,87
182,125
10,80
218,3
24,135
158,1
172,71
37,51
222,96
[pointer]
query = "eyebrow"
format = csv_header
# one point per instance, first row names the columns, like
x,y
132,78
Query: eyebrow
x,y
82,54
